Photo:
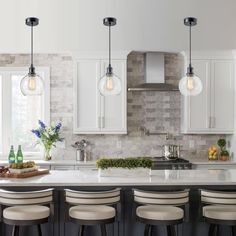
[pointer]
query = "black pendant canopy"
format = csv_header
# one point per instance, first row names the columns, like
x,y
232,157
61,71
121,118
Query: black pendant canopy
x,y
31,21
109,21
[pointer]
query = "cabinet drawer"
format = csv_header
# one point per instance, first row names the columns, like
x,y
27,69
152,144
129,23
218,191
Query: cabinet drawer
x,y
67,167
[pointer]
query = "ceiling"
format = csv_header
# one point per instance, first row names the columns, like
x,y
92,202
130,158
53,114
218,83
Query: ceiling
x,y
149,25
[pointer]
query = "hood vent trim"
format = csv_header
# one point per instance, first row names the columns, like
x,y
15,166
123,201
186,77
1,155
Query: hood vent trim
x,y
154,75
154,87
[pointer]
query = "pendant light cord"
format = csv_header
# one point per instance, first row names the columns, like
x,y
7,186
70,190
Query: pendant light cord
x,y
109,46
190,45
32,52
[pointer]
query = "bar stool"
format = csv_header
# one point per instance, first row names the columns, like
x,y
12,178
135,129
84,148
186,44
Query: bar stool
x,y
26,208
92,208
219,208
161,208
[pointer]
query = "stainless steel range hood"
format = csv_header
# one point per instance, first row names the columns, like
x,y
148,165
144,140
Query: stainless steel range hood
x,y
154,74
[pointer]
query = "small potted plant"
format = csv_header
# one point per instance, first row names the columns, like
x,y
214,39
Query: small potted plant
x,y
224,154
47,137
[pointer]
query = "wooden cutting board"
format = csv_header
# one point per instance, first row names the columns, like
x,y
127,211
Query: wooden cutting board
x,y
25,175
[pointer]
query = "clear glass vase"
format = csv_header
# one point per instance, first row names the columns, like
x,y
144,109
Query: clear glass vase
x,y
47,153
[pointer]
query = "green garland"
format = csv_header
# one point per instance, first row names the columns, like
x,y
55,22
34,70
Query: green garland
x,y
129,163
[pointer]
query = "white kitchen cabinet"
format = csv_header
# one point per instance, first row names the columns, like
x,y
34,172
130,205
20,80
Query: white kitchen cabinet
x,y
93,113
222,96
212,111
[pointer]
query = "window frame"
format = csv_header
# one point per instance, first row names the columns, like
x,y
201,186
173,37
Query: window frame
x,y
5,106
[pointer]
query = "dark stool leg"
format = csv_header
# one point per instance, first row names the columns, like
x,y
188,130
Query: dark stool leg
x,y
39,230
150,230
147,229
216,233
171,230
233,228
15,230
168,230
81,230
103,230
211,230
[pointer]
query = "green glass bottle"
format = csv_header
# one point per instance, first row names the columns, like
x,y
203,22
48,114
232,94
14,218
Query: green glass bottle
x,y
19,155
11,156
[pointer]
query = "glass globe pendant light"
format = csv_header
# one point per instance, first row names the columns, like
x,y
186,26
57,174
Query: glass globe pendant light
x,y
32,84
190,85
109,84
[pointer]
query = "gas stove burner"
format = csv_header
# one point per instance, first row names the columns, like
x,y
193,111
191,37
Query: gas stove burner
x,y
161,163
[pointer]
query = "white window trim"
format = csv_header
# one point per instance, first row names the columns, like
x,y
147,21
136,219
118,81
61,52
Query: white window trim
x,y
6,105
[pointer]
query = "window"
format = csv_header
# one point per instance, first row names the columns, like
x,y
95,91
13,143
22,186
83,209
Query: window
x,y
20,114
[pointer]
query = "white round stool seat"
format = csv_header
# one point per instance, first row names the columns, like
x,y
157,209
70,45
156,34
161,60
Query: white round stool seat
x,y
160,212
220,212
93,212
26,212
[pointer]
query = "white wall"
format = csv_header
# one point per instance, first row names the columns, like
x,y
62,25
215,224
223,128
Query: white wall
x,y
67,25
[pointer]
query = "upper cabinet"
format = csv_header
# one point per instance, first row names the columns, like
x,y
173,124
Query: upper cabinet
x,y
94,113
212,111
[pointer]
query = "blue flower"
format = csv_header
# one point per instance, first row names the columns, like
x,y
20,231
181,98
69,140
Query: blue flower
x,y
36,132
42,125
58,127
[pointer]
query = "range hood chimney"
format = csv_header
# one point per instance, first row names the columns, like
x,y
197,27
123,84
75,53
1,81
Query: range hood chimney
x,y
154,74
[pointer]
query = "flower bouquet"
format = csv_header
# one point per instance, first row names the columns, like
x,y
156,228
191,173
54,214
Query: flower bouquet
x,y
48,136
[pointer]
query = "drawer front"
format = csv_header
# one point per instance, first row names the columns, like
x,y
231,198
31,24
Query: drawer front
x,y
63,167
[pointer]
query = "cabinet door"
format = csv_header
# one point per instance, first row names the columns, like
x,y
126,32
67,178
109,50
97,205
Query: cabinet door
x,y
222,95
197,108
113,108
87,97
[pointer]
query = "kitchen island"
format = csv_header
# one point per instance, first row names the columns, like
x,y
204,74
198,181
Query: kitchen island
x,y
159,180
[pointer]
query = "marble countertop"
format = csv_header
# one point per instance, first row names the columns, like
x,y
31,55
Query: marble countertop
x,y
158,178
